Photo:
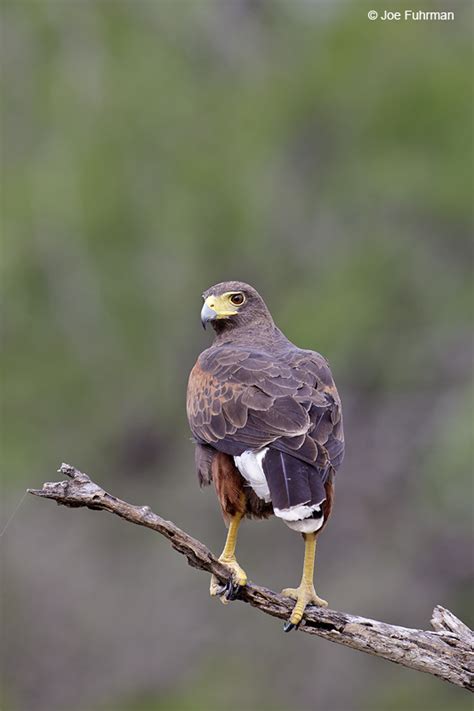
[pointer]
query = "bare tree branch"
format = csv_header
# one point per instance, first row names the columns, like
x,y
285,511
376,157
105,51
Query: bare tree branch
x,y
447,652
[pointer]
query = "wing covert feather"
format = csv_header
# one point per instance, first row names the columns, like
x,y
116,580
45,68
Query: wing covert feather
x,y
240,399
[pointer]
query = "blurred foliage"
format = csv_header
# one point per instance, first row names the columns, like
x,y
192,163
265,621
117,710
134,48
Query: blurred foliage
x,y
152,148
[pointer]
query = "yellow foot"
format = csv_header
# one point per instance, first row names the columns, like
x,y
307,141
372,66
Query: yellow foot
x,y
304,595
228,592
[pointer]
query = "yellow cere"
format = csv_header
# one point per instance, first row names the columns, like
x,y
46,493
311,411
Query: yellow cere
x,y
221,304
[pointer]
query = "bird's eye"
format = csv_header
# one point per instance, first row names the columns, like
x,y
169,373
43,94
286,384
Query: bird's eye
x,y
237,299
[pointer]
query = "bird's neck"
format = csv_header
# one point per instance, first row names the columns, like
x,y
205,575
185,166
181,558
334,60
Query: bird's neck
x,y
256,333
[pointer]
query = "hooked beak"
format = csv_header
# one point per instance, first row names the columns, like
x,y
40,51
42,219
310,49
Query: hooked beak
x,y
216,307
207,314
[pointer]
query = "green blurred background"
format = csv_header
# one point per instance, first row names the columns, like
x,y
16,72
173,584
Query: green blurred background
x,y
150,149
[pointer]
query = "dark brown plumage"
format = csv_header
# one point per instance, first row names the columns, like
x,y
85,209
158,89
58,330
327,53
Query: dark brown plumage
x,y
254,388
260,406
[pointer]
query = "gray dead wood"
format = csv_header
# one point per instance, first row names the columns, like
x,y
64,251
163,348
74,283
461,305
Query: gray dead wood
x,y
447,652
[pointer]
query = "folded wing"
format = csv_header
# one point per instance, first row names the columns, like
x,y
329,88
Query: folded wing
x,y
240,399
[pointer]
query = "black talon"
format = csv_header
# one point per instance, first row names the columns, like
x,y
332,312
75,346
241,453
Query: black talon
x,y
232,591
228,590
288,626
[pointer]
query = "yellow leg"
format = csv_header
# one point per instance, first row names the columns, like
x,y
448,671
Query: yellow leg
x,y
239,576
305,594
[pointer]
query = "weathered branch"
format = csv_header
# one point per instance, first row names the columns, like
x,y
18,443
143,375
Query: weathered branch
x,y
447,652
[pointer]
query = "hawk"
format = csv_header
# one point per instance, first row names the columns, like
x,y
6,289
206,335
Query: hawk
x,y
267,424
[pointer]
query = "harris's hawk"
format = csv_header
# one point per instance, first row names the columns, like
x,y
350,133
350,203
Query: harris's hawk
x,y
267,424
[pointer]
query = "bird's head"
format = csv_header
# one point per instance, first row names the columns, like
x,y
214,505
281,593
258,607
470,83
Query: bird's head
x,y
234,304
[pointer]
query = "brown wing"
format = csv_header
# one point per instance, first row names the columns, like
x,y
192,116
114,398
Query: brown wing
x,y
241,399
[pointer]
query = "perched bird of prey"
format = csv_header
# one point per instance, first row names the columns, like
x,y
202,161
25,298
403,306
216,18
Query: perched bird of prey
x,y
267,425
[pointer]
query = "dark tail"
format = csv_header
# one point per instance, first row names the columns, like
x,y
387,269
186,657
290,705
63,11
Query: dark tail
x,y
291,481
